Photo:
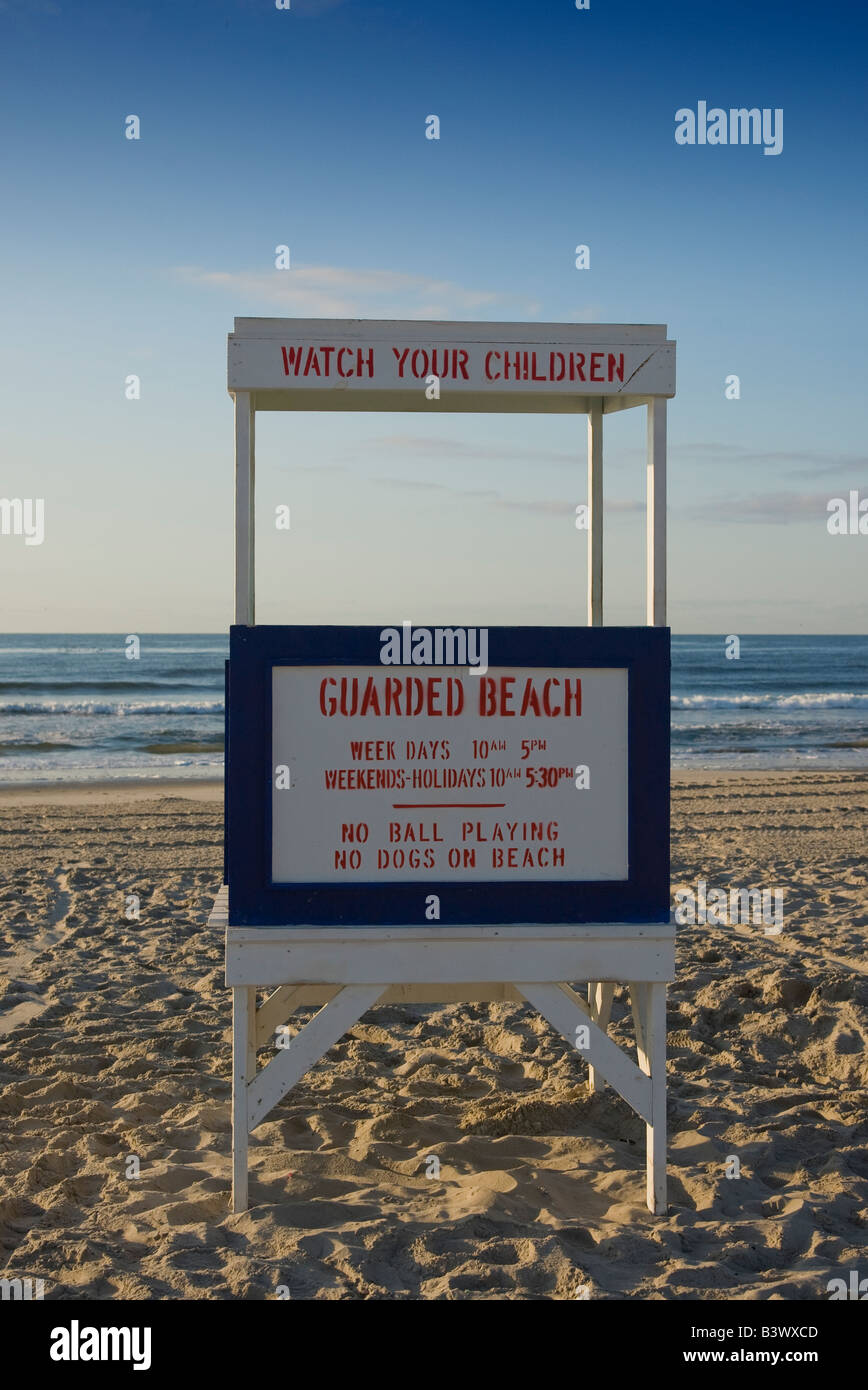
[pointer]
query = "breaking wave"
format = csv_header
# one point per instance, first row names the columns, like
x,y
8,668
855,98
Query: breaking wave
x,y
114,707
802,700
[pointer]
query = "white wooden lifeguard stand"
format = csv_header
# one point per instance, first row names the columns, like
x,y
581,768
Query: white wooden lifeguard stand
x,y
347,972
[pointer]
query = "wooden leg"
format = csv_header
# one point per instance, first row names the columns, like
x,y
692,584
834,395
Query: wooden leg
x,y
649,1013
240,1077
251,1032
600,996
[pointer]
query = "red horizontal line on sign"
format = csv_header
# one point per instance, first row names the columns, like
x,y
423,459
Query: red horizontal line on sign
x,y
446,805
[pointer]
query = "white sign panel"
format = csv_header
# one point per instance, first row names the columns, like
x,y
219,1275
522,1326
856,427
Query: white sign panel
x,y
321,364
389,775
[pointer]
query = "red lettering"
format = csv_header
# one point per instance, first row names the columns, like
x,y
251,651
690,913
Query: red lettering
x,y
341,371
594,357
401,360
490,376
530,699
391,695
577,366
440,362
419,352
312,362
546,701
462,362
354,832
293,360
534,376
563,364
349,707
487,696
360,361
573,697
616,366
370,699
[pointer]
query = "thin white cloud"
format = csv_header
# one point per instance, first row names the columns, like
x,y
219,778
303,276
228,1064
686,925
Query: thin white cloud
x,y
588,313
491,497
815,461
766,507
420,446
324,291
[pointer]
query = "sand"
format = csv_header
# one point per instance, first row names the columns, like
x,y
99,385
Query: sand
x,y
117,1044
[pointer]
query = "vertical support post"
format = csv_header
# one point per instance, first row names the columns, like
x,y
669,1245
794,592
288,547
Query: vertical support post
x,y
251,1032
245,487
649,1012
595,516
649,1000
243,996
240,1049
600,996
655,543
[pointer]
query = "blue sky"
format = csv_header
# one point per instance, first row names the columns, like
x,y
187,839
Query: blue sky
x,y
307,127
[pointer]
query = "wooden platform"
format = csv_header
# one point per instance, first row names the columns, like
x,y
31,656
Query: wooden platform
x,y
348,970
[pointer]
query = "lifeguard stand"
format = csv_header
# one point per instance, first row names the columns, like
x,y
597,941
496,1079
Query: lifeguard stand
x,y
347,947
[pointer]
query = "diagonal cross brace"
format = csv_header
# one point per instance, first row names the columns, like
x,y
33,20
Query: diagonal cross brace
x,y
565,1010
307,1047
275,1010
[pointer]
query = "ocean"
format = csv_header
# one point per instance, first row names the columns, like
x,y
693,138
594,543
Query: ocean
x,y
75,708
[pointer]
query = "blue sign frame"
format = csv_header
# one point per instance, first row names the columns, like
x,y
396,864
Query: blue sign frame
x,y
254,900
